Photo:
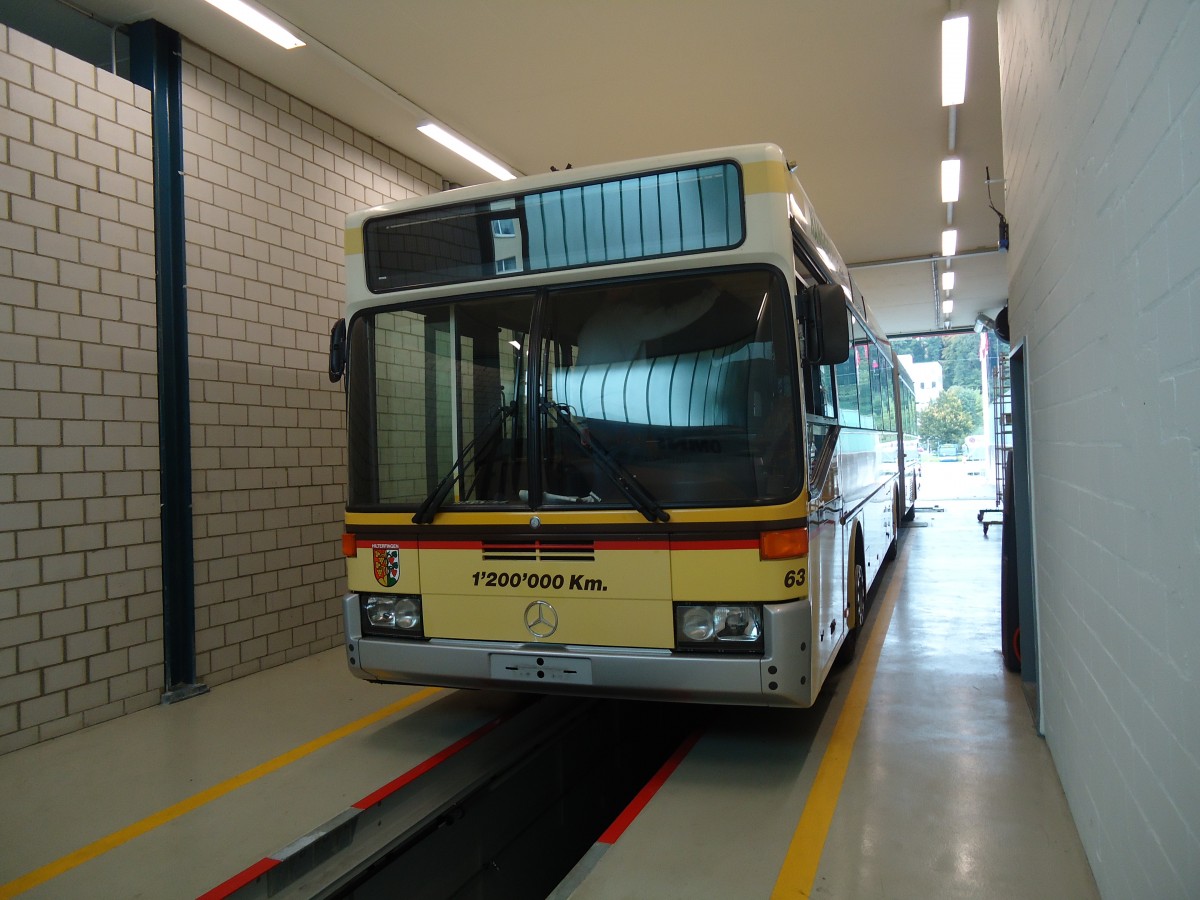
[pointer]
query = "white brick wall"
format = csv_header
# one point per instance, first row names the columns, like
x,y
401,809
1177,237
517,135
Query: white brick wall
x,y
268,183
1101,114
80,601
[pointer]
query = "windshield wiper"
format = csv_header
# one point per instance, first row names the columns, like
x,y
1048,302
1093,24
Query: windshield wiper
x,y
618,474
428,509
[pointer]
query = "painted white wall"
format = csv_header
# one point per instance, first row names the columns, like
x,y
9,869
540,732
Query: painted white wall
x,y
927,379
1101,121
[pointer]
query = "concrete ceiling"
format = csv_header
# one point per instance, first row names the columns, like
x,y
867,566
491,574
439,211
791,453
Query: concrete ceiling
x,y
850,90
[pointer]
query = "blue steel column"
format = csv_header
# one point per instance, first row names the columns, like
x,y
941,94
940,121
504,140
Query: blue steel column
x,y
156,64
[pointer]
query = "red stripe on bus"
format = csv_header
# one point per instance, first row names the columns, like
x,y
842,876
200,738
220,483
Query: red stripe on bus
x,y
499,545
736,544
417,771
239,881
451,545
633,545
614,831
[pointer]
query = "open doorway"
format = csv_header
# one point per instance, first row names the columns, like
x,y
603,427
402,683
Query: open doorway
x,y
961,442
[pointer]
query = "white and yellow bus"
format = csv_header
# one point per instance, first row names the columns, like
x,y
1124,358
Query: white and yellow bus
x,y
607,435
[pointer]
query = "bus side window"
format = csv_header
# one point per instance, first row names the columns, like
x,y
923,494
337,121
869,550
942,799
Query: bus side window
x,y
827,390
818,391
847,391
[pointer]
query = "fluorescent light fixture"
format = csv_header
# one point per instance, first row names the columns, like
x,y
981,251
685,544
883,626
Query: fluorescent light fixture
x,y
954,60
252,18
465,150
947,281
951,170
949,241
947,307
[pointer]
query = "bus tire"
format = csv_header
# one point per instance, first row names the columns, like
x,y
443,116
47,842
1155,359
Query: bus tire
x,y
859,600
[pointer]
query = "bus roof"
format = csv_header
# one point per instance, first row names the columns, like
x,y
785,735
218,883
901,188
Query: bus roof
x,y
764,168
744,154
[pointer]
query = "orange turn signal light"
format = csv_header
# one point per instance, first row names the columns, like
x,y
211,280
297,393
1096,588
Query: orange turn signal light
x,y
349,545
783,544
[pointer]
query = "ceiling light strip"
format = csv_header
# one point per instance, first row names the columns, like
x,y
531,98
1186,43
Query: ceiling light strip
x,y
909,260
951,178
363,76
465,150
256,20
954,59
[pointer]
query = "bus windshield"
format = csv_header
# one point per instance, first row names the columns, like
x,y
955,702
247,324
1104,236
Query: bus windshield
x,y
671,391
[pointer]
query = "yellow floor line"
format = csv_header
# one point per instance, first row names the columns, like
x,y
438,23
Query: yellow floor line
x,y
799,871
123,836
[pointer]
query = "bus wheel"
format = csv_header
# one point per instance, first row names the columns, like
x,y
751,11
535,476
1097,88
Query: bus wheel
x,y
850,644
860,594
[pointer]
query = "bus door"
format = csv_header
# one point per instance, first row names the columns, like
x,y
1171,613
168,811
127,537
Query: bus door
x,y
826,545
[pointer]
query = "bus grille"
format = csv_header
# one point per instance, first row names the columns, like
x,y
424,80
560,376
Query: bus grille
x,y
541,551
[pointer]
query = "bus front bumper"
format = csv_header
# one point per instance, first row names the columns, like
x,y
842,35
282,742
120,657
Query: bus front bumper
x,y
782,676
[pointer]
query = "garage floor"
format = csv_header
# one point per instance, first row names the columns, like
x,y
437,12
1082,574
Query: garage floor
x,y
948,790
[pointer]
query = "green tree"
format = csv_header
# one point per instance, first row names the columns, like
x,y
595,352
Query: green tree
x,y
926,349
958,354
960,361
972,401
947,420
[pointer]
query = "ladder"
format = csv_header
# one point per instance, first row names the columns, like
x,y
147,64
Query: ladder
x,y
1002,422
1001,395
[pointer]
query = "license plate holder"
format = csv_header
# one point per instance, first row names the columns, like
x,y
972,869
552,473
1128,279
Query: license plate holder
x,y
555,669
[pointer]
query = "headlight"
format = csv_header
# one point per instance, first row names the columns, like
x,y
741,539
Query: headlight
x,y
718,626
393,614
697,624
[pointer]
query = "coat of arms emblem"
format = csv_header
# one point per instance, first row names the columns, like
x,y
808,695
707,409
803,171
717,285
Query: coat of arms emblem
x,y
386,558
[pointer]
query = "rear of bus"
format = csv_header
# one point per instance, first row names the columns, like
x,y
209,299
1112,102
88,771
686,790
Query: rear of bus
x,y
576,457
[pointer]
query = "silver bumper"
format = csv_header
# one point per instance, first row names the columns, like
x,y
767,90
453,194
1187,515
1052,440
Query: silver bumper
x,y
783,676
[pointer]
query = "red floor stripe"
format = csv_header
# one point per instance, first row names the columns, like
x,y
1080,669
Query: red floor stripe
x,y
638,803
239,881
417,771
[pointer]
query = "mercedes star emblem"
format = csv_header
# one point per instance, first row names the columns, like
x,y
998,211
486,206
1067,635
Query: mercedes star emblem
x,y
541,619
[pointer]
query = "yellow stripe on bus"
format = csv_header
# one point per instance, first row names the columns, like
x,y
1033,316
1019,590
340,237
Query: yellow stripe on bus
x,y
768,177
796,509
354,241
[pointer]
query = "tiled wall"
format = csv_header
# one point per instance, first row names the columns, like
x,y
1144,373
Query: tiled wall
x,y
268,183
80,576
1101,115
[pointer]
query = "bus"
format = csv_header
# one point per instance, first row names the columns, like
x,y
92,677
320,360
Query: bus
x,y
909,440
608,433
901,453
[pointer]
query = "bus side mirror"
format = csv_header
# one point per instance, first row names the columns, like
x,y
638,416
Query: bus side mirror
x,y
337,350
826,327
